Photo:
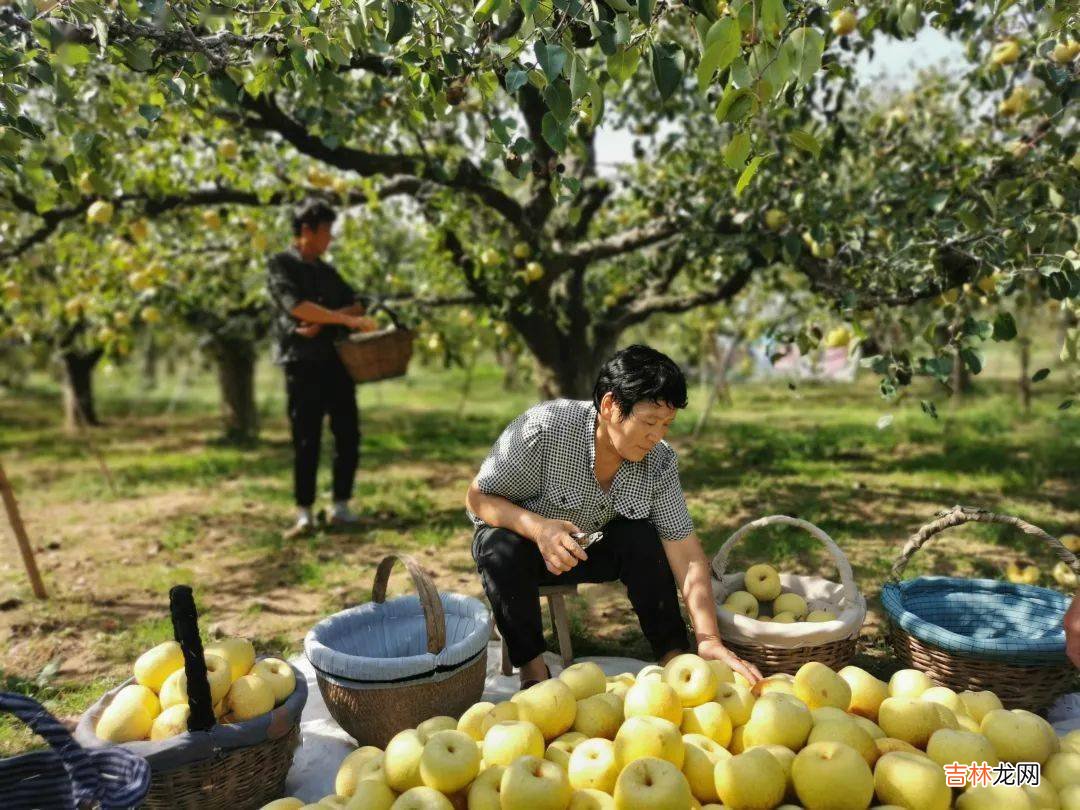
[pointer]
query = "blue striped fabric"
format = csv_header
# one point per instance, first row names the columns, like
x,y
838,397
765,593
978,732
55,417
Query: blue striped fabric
x,y
67,776
983,618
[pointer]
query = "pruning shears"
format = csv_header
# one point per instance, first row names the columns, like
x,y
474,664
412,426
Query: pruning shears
x,y
586,539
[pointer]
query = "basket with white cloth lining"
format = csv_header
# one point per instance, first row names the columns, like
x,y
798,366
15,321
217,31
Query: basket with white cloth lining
x,y
775,647
389,665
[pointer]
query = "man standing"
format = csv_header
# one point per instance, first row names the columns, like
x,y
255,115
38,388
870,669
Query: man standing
x,y
568,466
314,308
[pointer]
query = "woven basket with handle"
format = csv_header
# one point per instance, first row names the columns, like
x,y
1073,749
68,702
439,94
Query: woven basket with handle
x,y
981,634
380,355
374,709
831,643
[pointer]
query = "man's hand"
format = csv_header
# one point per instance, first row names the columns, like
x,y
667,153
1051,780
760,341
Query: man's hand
x,y
360,323
560,551
308,330
716,650
1072,630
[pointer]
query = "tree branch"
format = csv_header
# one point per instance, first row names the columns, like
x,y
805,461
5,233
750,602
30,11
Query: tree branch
x,y
625,242
649,306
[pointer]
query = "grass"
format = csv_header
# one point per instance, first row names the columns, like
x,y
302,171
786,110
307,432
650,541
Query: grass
x,y
188,508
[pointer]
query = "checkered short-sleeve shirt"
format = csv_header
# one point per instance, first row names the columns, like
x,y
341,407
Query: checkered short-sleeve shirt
x,y
544,461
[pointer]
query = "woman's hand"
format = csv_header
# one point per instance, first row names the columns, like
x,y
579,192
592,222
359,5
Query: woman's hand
x,y
560,551
714,649
308,330
1072,631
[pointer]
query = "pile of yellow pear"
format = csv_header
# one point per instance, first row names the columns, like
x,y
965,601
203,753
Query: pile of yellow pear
x,y
762,587
155,707
693,734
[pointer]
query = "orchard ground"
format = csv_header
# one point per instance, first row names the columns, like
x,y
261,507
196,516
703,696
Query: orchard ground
x,y
187,508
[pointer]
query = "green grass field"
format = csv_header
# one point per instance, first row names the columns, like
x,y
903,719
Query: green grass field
x,y
187,508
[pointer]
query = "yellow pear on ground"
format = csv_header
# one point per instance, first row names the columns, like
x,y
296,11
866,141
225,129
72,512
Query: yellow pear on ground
x,y
651,784
723,672
1071,741
908,719
709,719
994,797
967,724
560,749
737,700
909,683
737,744
421,798
693,680
510,739
433,725
588,799
1062,769
599,715
944,715
780,719
171,722
947,745
699,765
1044,796
584,679
371,794
848,733
450,761
817,685
157,664
1070,798
484,791
946,697
779,682
401,760
786,757
649,672
886,745
289,803
499,712
869,726
593,765
1016,736
823,714
532,782
348,771
549,705
832,776
752,779
249,697
977,704
648,736
654,698
912,781
471,719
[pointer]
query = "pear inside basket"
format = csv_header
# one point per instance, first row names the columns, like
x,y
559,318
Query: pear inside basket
x,y
763,606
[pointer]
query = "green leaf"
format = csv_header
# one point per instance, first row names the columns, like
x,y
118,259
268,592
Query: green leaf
x,y
623,64
929,408
1004,327
558,100
737,150
1040,375
971,360
644,10
734,105
1065,405
579,78
529,6
551,57
721,47
805,47
749,172
622,29
667,68
773,18
553,133
805,141
516,79
938,200
150,112
398,20
72,54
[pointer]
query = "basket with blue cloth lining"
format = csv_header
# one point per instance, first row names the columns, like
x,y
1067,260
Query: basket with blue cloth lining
x,y
68,777
386,665
981,634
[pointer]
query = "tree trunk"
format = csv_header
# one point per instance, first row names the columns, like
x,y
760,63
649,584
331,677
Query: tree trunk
x,y
961,378
235,360
1025,373
150,364
571,374
79,410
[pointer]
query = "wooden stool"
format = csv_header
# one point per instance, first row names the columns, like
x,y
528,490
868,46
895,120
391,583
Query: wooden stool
x,y
560,622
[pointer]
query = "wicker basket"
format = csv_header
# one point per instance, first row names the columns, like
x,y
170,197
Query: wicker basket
x,y
1018,647
373,696
775,648
381,355
214,766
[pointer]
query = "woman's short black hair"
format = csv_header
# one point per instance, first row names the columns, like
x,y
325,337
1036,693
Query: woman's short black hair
x,y
313,213
640,374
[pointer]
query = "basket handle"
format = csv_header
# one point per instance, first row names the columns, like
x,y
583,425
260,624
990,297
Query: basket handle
x,y
959,515
381,306
84,776
185,621
847,579
430,602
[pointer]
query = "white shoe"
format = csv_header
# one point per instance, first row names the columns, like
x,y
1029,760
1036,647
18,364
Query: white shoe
x,y
305,524
341,515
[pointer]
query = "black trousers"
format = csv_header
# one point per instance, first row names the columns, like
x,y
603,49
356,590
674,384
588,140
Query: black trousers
x,y
316,389
512,571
